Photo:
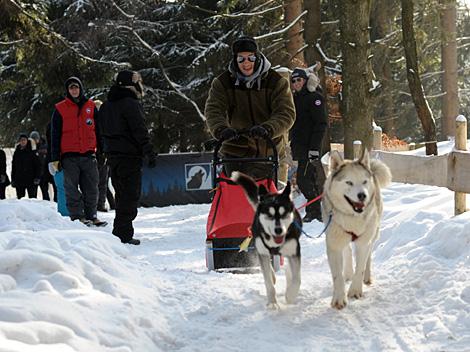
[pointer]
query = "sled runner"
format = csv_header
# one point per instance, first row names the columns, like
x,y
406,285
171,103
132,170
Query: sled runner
x,y
230,216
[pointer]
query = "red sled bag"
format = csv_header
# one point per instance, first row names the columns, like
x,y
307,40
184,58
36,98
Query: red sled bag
x,y
230,218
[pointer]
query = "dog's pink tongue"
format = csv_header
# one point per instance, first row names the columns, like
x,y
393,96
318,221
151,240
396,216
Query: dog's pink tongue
x,y
278,239
358,205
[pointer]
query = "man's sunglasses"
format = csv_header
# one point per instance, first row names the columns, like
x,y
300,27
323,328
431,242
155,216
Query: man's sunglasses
x,y
74,86
297,79
251,58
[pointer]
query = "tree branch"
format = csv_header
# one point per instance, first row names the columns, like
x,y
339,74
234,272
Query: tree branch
x,y
172,84
13,42
64,41
285,29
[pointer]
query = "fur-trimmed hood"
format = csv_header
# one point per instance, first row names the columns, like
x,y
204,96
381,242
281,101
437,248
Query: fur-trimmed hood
x,y
313,81
311,75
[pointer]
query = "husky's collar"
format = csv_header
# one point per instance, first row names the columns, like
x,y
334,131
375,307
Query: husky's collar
x,y
353,235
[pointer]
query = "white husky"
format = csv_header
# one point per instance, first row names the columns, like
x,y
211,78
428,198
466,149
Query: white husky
x,y
353,201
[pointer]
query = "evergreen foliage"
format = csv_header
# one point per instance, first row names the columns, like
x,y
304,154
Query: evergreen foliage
x,y
43,42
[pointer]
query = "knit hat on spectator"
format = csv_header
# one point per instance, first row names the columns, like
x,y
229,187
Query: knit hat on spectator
x,y
130,79
244,44
35,135
299,72
22,135
74,81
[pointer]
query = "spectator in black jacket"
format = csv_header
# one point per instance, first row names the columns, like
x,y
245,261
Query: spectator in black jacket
x,y
48,176
104,193
307,137
41,148
4,180
126,143
25,168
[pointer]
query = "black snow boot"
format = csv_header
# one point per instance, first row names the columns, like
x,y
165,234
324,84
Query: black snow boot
x,y
133,241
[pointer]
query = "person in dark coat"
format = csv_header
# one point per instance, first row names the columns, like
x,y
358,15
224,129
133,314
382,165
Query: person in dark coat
x,y
25,168
126,144
4,180
104,193
48,176
74,139
307,137
41,148
249,96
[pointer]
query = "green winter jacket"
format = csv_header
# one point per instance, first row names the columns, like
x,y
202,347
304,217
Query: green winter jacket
x,y
241,108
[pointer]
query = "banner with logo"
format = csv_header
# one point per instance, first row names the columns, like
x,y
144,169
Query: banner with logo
x,y
183,178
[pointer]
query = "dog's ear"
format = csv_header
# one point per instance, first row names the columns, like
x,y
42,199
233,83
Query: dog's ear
x,y
287,190
364,159
336,160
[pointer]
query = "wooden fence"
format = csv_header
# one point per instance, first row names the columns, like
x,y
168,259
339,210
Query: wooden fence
x,y
451,170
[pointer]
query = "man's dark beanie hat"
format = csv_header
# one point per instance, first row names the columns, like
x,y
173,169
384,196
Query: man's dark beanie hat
x,y
247,44
124,78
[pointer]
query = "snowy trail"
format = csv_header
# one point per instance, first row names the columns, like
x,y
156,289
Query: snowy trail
x,y
66,287
226,312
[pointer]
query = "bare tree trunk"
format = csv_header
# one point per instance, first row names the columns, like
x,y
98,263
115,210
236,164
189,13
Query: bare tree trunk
x,y
381,23
450,101
355,48
312,31
414,81
295,39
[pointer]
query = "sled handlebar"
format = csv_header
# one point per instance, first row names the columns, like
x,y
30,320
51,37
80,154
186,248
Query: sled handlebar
x,y
273,159
240,133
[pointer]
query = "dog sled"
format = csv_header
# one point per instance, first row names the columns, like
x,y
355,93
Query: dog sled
x,y
230,216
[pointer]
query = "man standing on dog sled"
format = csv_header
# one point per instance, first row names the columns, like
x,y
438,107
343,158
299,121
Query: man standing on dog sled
x,y
307,137
126,143
249,96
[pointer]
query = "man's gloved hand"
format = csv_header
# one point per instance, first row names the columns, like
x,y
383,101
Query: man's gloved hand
x,y
259,131
227,133
37,181
54,167
313,154
152,160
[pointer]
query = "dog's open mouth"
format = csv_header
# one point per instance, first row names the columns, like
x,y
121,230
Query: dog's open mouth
x,y
358,207
278,239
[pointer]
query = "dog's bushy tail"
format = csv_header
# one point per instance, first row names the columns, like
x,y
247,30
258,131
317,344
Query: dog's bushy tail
x,y
249,187
381,173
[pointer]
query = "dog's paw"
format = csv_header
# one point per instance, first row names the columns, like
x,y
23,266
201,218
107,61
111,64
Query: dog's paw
x,y
273,306
355,291
292,292
339,303
290,299
368,281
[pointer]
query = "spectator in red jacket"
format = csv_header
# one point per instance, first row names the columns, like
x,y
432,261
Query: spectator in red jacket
x,y
74,145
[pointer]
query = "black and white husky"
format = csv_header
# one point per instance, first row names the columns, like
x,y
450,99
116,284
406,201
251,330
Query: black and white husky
x,y
276,230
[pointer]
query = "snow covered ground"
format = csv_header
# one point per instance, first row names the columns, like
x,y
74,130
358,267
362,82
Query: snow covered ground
x,y
65,287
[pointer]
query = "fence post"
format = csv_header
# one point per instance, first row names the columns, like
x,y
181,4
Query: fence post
x,y
460,144
357,149
377,144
